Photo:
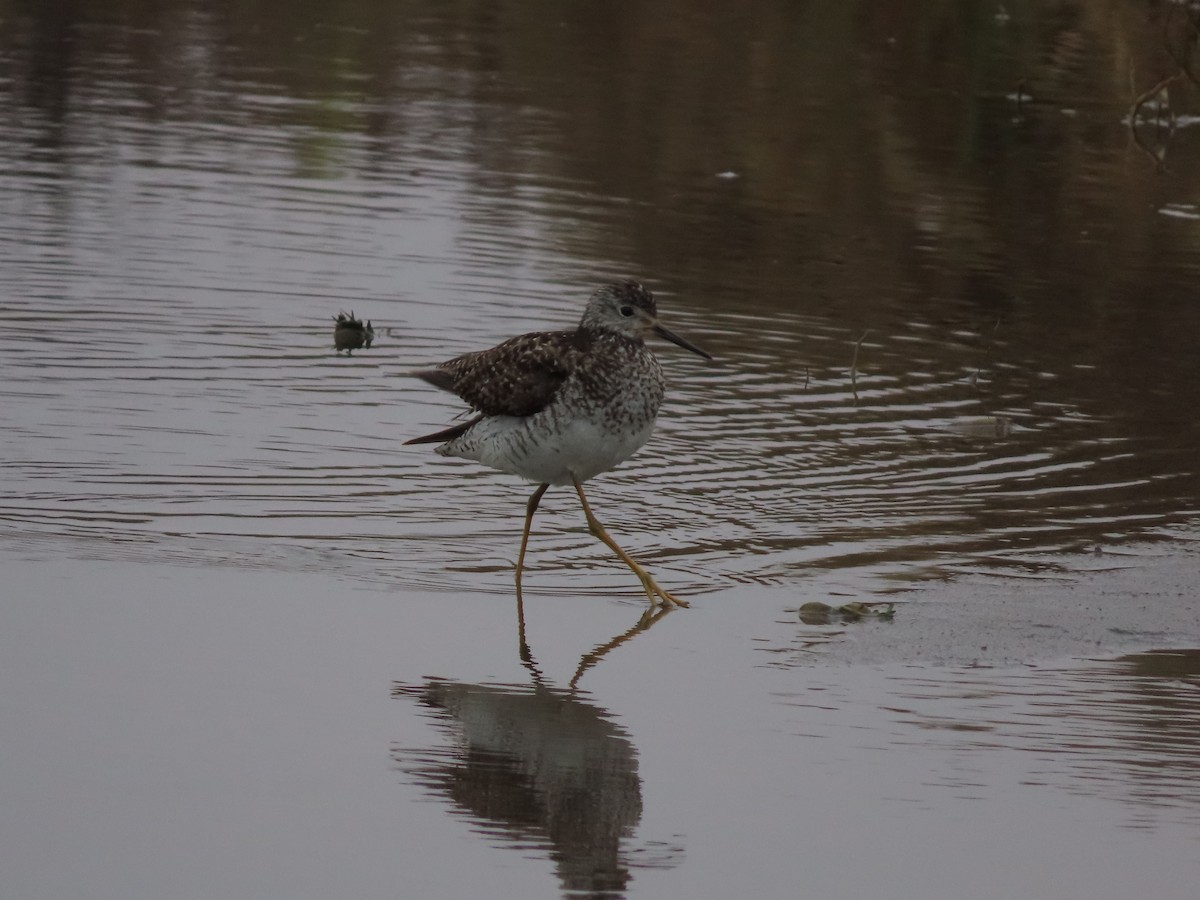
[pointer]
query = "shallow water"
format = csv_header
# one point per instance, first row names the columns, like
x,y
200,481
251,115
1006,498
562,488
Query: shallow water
x,y
952,300
227,732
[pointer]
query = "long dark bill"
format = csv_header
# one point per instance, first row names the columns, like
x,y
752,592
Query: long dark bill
x,y
678,341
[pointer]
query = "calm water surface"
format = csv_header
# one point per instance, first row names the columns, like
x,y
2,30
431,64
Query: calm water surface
x,y
953,301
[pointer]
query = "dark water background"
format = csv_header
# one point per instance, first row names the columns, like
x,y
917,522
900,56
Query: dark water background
x,y
953,296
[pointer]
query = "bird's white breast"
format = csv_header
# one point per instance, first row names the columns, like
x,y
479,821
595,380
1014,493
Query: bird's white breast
x,y
578,448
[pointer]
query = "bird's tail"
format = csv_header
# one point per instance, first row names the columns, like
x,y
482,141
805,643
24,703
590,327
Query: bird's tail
x,y
446,434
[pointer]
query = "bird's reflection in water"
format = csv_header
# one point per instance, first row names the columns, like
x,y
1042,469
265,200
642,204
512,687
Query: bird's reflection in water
x,y
542,767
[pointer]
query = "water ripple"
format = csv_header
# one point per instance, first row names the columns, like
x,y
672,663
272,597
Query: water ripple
x,y
230,436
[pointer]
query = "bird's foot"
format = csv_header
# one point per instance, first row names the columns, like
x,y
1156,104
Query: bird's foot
x,y
657,594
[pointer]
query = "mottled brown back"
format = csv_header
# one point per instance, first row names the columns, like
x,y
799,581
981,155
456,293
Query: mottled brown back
x,y
516,378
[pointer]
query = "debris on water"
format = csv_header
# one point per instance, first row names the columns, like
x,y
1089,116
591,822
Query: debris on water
x,y
350,333
818,613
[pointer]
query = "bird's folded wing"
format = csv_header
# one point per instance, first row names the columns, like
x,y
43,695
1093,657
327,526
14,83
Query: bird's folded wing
x,y
516,378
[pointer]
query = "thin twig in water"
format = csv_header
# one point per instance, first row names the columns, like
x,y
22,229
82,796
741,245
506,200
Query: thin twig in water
x,y
1135,110
979,368
854,364
1183,61
1147,96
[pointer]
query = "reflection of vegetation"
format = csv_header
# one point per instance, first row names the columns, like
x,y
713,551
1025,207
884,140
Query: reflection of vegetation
x,y
883,163
1174,667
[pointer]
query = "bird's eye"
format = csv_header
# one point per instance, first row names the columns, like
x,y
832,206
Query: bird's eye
x,y
627,311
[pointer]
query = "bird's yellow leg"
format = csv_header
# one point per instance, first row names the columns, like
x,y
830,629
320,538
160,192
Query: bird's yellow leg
x,y
653,591
530,509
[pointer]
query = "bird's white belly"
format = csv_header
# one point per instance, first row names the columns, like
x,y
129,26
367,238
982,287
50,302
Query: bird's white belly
x,y
527,447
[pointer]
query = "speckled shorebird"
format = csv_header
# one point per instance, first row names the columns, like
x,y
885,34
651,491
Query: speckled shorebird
x,y
350,334
559,407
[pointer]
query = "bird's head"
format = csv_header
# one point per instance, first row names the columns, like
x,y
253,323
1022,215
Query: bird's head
x,y
628,308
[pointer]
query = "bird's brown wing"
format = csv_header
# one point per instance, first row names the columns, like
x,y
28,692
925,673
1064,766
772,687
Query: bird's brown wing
x,y
516,378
